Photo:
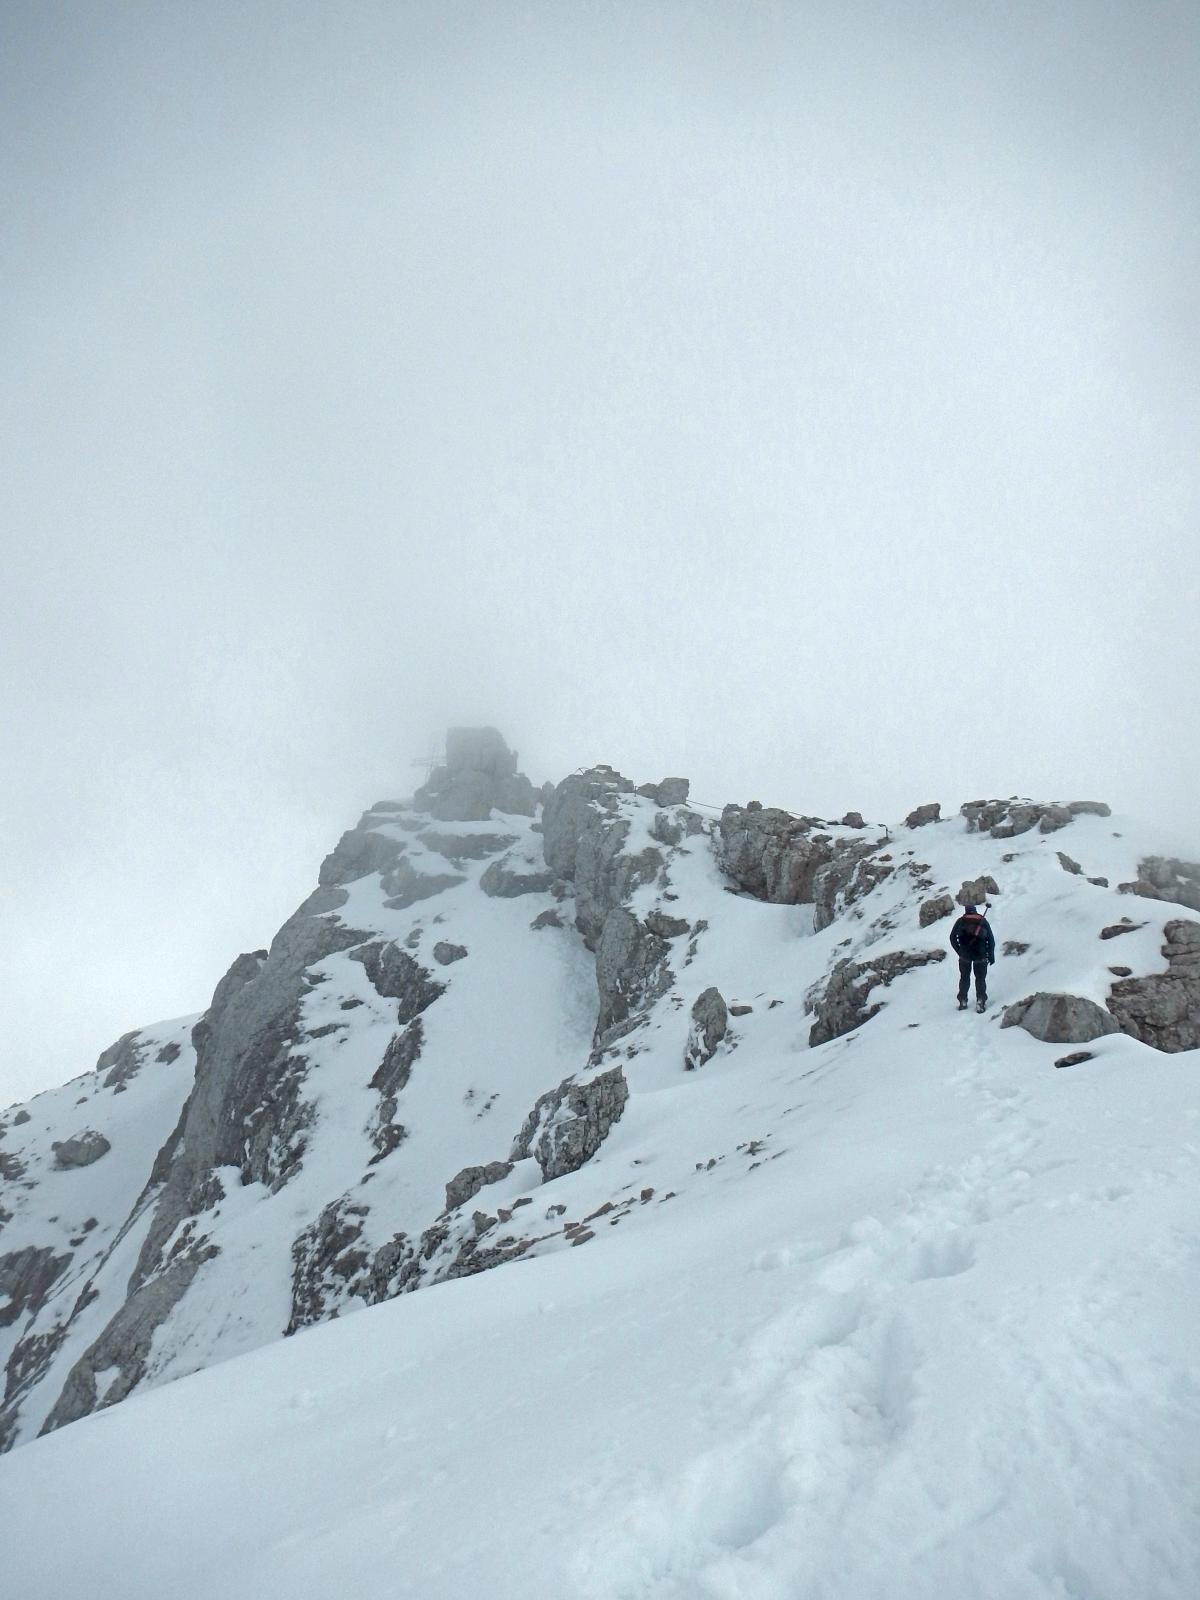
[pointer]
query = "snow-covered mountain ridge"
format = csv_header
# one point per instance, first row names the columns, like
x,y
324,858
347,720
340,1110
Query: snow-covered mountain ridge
x,y
698,1088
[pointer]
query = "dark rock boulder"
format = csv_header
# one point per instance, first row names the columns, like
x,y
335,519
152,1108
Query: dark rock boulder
x,y
505,879
923,815
395,975
122,1061
1166,878
445,954
1093,808
772,854
977,891
405,886
81,1150
933,910
1116,929
460,847
356,855
568,1124
709,1026
853,819
1005,819
1163,1009
1059,1018
26,1278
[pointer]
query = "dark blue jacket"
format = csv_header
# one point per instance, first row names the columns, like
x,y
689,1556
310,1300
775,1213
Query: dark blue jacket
x,y
972,939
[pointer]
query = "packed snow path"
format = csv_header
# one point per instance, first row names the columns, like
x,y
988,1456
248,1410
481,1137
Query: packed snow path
x,y
979,1387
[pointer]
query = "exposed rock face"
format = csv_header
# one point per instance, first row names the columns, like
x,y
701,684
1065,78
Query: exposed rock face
x,y
666,926
465,1185
80,1150
546,919
505,880
1163,1009
854,870
395,975
121,1061
246,1110
26,1278
584,839
1059,1018
1069,864
923,815
404,885
1004,819
710,1024
1116,929
356,855
853,819
460,847
480,776
445,954
631,970
1165,878
845,1003
331,1263
977,891
568,1124
771,854
1094,808
670,792
933,910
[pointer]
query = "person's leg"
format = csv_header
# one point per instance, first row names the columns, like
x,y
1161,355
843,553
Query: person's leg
x,y
981,981
964,980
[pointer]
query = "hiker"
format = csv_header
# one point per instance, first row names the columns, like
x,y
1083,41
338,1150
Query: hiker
x,y
974,944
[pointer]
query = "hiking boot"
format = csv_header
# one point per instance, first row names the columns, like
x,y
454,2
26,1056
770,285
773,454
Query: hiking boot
x,y
981,1005
962,1005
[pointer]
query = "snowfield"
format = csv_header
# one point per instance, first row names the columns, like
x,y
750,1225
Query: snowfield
x,y
910,1314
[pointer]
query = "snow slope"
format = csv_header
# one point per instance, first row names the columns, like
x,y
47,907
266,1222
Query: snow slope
x,y
909,1313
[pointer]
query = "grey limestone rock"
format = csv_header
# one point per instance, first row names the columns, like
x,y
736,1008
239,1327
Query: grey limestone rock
x,y
1059,1018
1163,1009
1166,878
405,886
26,1278
445,954
631,969
933,910
1005,819
505,880
81,1150
852,872
1068,864
923,815
772,854
547,919
584,839
670,792
568,1124
709,1025
666,926
355,856
395,975
1116,929
465,1185
20,1117
666,829
480,776
853,819
121,1061
1094,808
333,1263
845,1003
460,847
977,891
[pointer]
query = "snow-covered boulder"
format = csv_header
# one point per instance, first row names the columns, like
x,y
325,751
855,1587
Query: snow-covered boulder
x,y
1059,1018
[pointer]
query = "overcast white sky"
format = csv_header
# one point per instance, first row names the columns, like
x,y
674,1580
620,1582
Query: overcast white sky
x,y
799,397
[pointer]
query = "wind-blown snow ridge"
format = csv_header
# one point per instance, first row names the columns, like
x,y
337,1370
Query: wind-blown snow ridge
x,y
905,1312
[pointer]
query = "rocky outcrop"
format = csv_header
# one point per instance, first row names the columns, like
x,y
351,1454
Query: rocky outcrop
x,y
853,819
670,792
247,1111
81,1150
1005,819
977,891
1059,1018
631,972
460,847
924,815
122,1061
583,839
480,776
709,1025
1163,1009
933,910
1116,929
771,854
568,1124
395,975
332,1263
405,886
854,870
505,879
445,953
26,1278
1166,878
356,855
465,1185
845,1003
